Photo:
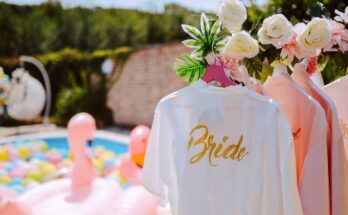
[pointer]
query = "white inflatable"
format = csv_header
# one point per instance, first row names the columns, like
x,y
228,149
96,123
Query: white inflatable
x,y
27,96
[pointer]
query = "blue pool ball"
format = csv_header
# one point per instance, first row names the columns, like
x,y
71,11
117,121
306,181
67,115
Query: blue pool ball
x,y
17,188
40,156
110,162
16,181
64,153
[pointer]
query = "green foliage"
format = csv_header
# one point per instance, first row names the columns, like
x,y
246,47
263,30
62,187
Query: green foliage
x,y
322,62
254,66
206,39
71,62
336,66
332,64
71,73
190,69
256,26
37,29
303,9
318,10
88,97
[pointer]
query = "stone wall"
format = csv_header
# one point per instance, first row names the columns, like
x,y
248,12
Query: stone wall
x,y
146,78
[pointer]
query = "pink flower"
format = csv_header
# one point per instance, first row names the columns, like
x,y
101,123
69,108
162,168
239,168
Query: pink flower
x,y
312,65
339,39
230,64
292,50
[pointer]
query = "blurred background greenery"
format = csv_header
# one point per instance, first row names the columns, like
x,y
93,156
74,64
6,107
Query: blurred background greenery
x,y
73,42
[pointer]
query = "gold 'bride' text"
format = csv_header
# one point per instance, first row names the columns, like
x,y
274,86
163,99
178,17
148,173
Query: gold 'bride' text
x,y
206,142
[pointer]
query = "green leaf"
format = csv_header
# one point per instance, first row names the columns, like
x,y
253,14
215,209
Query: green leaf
x,y
199,53
294,20
192,43
254,66
190,69
215,30
205,26
279,60
205,41
193,32
219,43
322,62
256,25
318,10
189,59
336,66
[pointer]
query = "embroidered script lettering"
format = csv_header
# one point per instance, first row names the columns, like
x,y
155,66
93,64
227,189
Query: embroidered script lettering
x,y
344,128
213,150
296,134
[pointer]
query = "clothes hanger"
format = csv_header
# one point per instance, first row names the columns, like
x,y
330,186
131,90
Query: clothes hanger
x,y
245,76
217,73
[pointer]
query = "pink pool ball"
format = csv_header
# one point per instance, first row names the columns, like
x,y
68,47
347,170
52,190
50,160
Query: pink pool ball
x,y
13,153
35,148
54,157
18,173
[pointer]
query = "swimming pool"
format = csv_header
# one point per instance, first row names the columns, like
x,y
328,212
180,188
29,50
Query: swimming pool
x,y
58,139
29,160
117,147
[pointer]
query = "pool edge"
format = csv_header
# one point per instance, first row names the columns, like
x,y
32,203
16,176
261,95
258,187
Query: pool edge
x,y
121,138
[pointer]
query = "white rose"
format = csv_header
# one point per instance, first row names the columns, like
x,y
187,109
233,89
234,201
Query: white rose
x,y
241,45
342,17
276,30
232,14
315,35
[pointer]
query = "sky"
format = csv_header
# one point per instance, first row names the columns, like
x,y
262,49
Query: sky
x,y
153,5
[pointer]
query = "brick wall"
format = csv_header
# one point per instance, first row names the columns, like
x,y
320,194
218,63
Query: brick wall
x,y
146,78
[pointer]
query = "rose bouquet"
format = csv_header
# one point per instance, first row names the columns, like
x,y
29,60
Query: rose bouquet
x,y
320,41
219,41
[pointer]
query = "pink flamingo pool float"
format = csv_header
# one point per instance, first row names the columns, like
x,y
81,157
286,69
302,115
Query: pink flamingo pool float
x,y
83,193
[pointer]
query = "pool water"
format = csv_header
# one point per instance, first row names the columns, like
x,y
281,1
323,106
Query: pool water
x,y
62,143
25,164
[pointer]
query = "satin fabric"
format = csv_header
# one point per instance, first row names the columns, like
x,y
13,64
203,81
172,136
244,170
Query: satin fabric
x,y
262,181
338,166
309,128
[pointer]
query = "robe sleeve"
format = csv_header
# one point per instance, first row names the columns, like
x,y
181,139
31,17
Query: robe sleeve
x,y
157,165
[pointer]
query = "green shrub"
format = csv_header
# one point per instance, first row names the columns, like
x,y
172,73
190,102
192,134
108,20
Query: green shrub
x,y
70,72
88,97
